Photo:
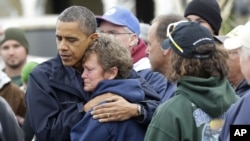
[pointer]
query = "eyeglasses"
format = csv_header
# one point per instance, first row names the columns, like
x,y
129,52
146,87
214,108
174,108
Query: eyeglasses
x,y
170,30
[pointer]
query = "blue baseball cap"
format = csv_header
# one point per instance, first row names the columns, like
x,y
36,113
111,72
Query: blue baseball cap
x,y
120,16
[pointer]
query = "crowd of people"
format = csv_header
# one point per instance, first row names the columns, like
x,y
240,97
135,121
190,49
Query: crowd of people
x,y
184,81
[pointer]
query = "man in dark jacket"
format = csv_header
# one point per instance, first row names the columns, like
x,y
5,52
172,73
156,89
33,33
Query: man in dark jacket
x,y
55,96
159,57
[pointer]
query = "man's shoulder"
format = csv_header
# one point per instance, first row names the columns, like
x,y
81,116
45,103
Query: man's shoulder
x,y
151,75
244,101
239,111
47,67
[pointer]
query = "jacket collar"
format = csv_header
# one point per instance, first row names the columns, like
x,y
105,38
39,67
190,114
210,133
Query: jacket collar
x,y
66,78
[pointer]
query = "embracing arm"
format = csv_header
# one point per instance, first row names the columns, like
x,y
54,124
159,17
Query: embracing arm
x,y
149,105
119,109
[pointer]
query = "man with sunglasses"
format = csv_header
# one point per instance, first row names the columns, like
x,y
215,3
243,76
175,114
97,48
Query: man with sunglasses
x,y
159,57
124,27
203,94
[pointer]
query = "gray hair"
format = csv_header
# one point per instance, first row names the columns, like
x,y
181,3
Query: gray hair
x,y
80,14
163,22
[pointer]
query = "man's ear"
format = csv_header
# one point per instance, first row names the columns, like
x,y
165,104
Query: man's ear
x,y
133,41
166,52
94,36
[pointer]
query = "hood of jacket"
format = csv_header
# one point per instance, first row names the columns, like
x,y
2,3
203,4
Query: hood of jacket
x,y
213,95
4,79
130,89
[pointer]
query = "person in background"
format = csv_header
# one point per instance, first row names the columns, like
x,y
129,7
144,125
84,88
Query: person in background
x,y
56,88
144,27
235,77
205,12
14,96
9,127
14,48
106,66
203,93
25,72
125,28
239,112
159,57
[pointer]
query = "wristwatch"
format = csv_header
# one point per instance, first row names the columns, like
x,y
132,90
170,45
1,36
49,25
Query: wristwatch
x,y
139,109
140,112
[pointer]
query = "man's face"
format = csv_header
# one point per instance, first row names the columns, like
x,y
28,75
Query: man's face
x,y
244,64
13,53
71,43
118,32
154,50
195,18
234,65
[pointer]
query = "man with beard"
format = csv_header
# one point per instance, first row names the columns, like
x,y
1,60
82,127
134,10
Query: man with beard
x,y
14,50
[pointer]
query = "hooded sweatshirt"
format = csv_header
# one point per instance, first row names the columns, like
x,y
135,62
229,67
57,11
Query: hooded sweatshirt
x,y
89,129
195,113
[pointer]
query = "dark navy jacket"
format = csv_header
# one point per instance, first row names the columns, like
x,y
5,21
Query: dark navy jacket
x,y
89,129
238,114
55,99
159,83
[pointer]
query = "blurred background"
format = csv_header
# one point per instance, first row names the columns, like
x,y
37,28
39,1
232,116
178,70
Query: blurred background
x,y
38,17
235,10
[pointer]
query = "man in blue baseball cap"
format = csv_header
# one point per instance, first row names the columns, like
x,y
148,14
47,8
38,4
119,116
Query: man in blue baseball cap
x,y
121,16
123,25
